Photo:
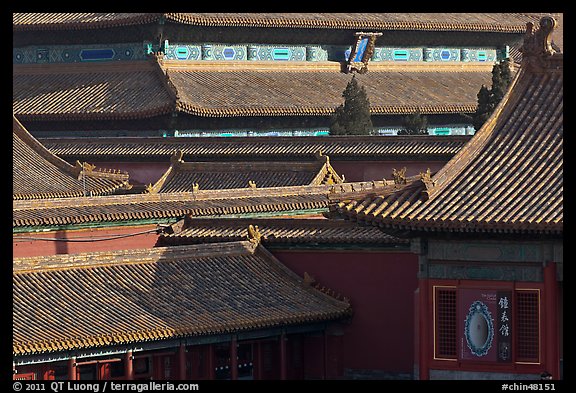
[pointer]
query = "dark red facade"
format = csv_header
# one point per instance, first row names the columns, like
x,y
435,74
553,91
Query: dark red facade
x,y
380,285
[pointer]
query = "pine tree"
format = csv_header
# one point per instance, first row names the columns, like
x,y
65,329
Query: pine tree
x,y
488,99
353,116
414,124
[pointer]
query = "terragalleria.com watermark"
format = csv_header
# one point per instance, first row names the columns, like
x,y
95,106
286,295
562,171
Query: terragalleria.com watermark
x,y
101,387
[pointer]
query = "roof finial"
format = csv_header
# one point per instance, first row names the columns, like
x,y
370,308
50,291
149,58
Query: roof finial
x,y
399,176
537,44
308,279
254,234
177,157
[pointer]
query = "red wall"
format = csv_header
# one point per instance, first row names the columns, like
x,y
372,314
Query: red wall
x,y
380,286
24,245
139,172
150,172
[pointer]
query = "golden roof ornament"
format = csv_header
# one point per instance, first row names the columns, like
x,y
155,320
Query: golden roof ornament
x,y
399,176
426,178
254,234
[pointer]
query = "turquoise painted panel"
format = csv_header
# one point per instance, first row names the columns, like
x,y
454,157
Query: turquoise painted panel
x,y
281,54
479,54
276,53
316,53
249,133
182,52
397,54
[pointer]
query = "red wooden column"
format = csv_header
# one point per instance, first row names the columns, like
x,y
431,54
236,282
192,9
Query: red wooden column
x,y
325,355
14,372
129,365
182,362
283,365
233,359
72,368
211,359
425,321
423,328
552,341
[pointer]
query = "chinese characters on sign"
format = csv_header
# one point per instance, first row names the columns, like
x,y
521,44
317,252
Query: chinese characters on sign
x,y
504,323
485,317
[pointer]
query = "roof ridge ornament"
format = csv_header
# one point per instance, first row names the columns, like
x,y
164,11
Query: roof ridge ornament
x,y
537,46
429,183
177,157
399,176
322,157
308,279
254,235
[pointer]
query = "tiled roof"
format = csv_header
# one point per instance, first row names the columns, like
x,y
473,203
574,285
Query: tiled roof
x,y
114,208
508,178
68,20
140,89
81,301
489,22
37,173
316,90
501,22
103,91
356,148
183,176
277,231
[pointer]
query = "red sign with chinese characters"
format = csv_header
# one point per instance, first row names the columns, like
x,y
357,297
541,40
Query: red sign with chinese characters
x,y
485,324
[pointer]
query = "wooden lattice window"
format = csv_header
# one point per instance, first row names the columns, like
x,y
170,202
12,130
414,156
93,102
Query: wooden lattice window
x,y
527,326
445,323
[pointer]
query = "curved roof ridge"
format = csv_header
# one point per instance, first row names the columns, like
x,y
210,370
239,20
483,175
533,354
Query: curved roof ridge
x,y
37,173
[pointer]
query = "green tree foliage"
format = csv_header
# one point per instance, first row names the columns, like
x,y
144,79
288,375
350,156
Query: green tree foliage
x,y
353,116
488,99
414,124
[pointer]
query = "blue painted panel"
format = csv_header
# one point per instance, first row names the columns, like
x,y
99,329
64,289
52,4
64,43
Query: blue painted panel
x,y
96,54
361,49
445,54
229,53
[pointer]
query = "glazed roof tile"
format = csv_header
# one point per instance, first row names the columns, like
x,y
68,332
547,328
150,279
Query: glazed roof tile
x,y
118,90
159,206
277,231
260,148
37,173
183,176
304,90
90,300
489,22
141,89
508,178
